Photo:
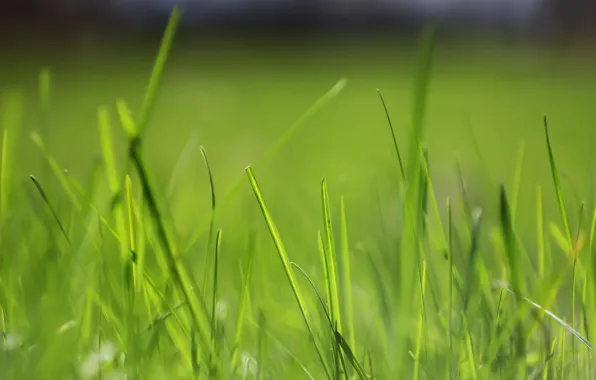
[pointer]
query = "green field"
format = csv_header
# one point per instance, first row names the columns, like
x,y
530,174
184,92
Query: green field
x,y
238,100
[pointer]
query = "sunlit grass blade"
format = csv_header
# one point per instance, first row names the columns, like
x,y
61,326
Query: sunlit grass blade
x,y
346,276
331,256
287,267
154,83
557,183
394,137
46,200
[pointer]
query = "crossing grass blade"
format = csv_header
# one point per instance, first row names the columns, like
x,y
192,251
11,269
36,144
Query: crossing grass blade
x,y
281,250
339,339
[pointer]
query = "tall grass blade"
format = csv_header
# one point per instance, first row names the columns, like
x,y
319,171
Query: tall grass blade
x,y
287,267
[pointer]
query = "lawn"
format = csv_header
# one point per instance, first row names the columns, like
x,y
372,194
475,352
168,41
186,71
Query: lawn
x,y
68,286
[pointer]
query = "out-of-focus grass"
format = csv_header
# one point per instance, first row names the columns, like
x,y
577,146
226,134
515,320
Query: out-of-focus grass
x,y
236,100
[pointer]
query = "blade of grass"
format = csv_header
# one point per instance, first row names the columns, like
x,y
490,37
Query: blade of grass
x,y
395,144
12,113
409,245
540,232
215,272
557,183
286,264
46,200
109,159
155,79
244,294
519,168
211,220
339,339
347,276
514,262
331,258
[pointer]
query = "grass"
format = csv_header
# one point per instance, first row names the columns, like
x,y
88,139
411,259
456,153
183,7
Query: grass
x,y
134,274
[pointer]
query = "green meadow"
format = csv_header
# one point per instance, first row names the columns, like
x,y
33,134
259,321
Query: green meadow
x,y
341,208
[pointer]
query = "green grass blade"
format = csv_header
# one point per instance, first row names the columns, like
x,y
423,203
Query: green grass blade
x,y
331,258
215,272
12,114
287,267
339,339
540,232
46,200
325,266
109,159
346,272
515,266
244,294
393,136
176,267
154,84
57,170
211,220
557,183
509,238
519,168
410,242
